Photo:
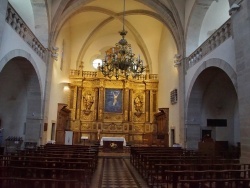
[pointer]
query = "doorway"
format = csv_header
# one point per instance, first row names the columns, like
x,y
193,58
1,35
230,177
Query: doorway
x,y
206,133
172,140
53,131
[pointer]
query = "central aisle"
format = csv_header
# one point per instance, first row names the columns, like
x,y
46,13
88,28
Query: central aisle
x,y
116,172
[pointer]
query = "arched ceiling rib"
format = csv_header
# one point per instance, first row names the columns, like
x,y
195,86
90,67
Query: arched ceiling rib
x,y
90,39
41,21
169,14
194,24
156,10
118,16
163,12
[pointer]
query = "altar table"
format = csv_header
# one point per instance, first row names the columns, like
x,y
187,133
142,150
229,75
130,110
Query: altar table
x,y
121,139
113,144
84,138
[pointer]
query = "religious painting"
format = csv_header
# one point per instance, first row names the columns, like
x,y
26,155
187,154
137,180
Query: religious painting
x,y
113,100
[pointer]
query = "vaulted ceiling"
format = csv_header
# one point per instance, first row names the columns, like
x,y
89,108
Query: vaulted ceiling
x,y
94,27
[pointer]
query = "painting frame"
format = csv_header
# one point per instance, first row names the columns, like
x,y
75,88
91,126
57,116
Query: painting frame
x,y
113,100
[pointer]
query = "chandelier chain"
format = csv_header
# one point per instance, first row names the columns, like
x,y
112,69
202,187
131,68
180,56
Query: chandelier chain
x,y
123,21
120,61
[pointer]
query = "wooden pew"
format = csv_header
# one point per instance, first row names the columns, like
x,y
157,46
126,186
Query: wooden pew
x,y
167,175
49,167
145,160
10,182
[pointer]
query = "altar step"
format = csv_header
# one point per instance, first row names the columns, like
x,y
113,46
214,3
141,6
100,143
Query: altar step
x,y
122,154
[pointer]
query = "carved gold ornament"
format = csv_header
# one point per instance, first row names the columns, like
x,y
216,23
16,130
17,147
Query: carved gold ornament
x,y
88,101
138,104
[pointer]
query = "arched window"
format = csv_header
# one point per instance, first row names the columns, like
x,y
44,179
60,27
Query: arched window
x,y
96,63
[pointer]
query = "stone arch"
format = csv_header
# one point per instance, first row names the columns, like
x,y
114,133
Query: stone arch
x,y
21,99
214,62
21,53
213,83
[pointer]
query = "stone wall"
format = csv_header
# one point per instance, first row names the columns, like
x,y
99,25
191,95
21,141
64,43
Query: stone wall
x,y
241,33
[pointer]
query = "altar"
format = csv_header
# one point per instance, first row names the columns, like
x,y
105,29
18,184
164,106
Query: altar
x,y
113,143
83,139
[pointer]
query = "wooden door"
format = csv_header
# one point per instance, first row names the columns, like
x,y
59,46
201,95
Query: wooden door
x,y
162,121
63,119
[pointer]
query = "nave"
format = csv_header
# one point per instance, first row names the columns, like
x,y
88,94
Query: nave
x,y
116,171
68,166
77,166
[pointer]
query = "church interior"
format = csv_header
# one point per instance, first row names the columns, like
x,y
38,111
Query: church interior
x,y
123,93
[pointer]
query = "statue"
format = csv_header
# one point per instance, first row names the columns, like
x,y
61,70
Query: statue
x,y
138,104
98,134
115,94
88,101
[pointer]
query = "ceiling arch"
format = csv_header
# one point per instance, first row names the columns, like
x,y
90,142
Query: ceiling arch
x,y
69,8
197,15
41,21
170,16
157,10
25,55
214,62
118,16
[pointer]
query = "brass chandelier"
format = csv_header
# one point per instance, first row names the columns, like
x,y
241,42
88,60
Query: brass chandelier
x,y
120,61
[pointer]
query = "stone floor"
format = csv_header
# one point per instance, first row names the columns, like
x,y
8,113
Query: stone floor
x,y
114,170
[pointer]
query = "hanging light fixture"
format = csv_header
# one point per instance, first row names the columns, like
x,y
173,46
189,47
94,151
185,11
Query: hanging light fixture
x,y
120,61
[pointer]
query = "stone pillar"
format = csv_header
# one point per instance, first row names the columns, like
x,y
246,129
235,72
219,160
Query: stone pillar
x,y
3,9
181,104
241,35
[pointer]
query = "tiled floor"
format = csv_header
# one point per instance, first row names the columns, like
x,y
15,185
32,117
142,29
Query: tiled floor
x,y
114,170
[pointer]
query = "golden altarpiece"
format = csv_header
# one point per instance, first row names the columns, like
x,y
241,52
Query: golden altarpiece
x,y
108,107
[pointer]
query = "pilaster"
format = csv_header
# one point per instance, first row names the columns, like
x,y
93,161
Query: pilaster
x,y
241,34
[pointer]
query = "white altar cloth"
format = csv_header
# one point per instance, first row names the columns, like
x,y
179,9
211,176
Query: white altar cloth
x,y
84,137
113,139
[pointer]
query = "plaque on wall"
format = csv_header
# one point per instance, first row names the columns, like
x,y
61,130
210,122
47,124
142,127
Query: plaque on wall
x,y
113,100
45,127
